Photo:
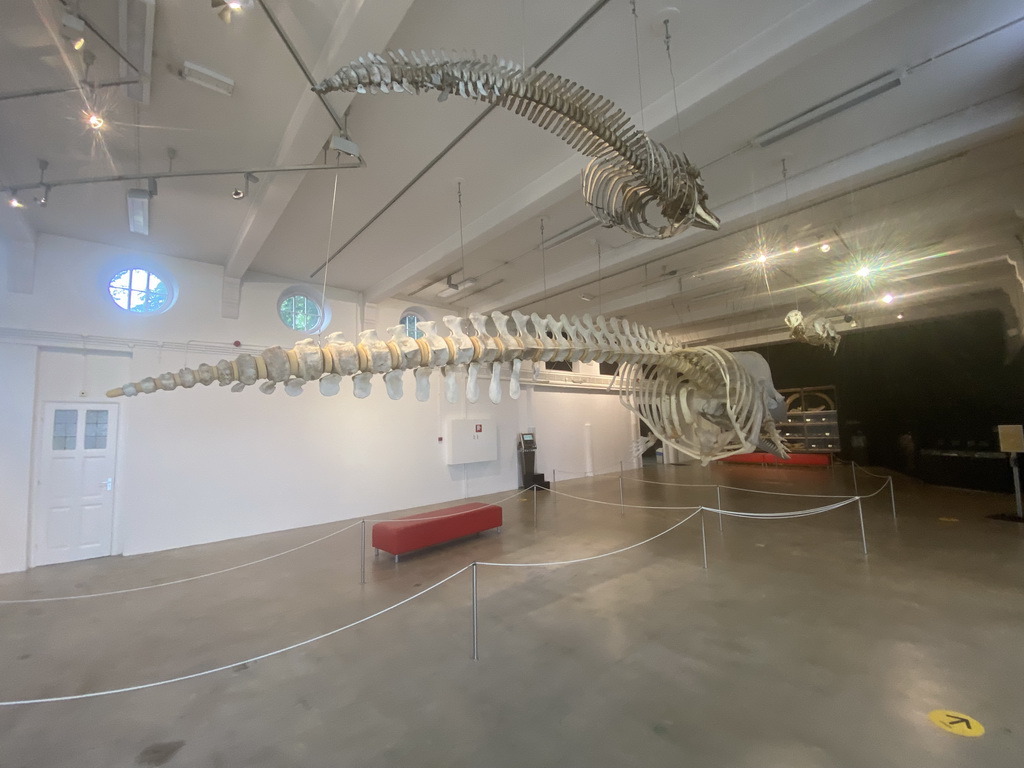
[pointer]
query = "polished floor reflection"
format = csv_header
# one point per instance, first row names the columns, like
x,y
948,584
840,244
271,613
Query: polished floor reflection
x,y
793,649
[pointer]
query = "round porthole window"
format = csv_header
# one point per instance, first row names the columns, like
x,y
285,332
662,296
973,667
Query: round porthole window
x,y
301,311
141,291
411,321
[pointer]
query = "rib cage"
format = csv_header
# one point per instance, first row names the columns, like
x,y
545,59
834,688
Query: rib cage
x,y
704,401
628,173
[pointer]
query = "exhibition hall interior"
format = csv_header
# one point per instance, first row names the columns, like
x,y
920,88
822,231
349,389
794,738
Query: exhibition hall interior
x,y
511,382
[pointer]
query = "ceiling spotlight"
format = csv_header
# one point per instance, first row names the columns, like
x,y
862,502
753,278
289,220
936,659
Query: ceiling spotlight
x,y
853,323
586,297
824,247
796,249
248,178
94,120
41,200
762,258
863,272
899,316
72,29
887,299
848,318
228,7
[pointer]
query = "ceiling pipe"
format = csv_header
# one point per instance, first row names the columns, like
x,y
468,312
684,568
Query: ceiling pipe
x,y
102,38
302,65
67,89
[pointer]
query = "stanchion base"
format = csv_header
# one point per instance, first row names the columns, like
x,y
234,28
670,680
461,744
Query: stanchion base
x,y
1007,518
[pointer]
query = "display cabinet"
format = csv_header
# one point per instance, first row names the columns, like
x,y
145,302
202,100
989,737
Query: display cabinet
x,y
811,424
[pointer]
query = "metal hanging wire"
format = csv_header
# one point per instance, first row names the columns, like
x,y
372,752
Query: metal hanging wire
x,y
639,77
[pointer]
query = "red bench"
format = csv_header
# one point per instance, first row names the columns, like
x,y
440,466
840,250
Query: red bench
x,y
795,459
407,534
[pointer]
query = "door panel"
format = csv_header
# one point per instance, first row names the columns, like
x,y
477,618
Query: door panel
x,y
73,509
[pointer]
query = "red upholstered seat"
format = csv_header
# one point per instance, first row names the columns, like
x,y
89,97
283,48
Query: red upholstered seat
x,y
426,529
798,459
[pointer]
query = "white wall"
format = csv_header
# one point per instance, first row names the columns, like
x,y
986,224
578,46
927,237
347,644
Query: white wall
x,y
560,419
204,464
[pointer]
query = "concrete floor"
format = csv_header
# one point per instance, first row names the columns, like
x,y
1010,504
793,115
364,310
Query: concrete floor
x,y
792,650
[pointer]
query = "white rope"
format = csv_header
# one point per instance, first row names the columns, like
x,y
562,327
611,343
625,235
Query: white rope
x,y
481,505
783,515
179,581
224,667
594,557
613,503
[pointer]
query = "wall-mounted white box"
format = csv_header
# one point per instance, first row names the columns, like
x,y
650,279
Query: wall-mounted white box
x,y
472,440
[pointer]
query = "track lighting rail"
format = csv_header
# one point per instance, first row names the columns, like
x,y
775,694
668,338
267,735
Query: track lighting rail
x,y
14,189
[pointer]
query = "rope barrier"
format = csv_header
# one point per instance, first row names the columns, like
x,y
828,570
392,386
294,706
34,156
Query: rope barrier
x,y
337,630
178,581
250,660
222,570
595,557
612,503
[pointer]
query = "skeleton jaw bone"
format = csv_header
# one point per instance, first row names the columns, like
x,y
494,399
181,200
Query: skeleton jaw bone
x,y
704,401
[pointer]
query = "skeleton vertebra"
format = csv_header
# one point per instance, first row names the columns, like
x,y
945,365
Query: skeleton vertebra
x,y
629,171
704,401
816,331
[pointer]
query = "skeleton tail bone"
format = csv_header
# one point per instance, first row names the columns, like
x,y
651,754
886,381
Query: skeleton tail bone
x,y
704,401
628,173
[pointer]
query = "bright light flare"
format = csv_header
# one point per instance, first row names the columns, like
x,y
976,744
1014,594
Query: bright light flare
x,y
15,202
235,5
94,120
863,272
824,247
887,299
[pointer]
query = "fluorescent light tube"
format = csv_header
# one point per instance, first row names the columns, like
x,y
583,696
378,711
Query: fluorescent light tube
x,y
138,211
207,78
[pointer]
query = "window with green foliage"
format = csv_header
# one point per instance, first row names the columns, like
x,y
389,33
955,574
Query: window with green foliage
x,y
139,290
300,313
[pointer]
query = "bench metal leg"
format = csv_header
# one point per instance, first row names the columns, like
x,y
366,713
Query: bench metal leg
x,y
396,558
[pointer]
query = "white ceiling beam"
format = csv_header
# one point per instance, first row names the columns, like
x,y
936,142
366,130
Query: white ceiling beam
x,y
918,144
736,73
358,27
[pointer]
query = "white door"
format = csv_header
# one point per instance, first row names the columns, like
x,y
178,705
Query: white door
x,y
73,513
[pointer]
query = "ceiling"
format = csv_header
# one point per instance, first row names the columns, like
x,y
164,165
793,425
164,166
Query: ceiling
x,y
923,184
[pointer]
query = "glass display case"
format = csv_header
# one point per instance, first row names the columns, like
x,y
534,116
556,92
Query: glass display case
x,y
812,424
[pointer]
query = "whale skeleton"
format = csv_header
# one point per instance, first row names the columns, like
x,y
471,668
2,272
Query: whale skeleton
x,y
629,174
705,401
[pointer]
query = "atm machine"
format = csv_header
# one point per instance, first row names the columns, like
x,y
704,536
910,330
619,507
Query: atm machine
x,y
527,452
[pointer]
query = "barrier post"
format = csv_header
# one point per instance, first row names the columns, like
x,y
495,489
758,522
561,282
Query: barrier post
x,y
553,479
718,494
853,466
863,536
703,540
362,552
622,501
621,470
534,505
892,498
476,654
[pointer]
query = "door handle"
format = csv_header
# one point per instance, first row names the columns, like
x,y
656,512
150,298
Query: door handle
x,y
108,483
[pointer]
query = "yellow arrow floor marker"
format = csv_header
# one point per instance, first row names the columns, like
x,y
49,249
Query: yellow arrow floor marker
x,y
956,722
